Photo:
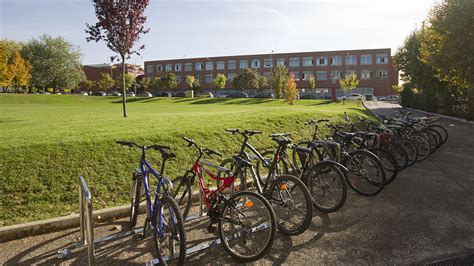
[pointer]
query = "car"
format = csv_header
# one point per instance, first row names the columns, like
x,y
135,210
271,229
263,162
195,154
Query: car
x,y
45,92
116,93
370,97
392,98
237,95
178,94
308,96
84,93
265,95
34,92
355,97
130,94
100,93
145,94
163,94
58,93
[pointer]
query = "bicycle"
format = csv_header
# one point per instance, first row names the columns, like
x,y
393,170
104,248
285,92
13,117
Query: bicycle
x,y
288,195
248,211
163,216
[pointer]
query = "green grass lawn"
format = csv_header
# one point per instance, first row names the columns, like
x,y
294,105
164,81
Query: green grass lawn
x,y
48,141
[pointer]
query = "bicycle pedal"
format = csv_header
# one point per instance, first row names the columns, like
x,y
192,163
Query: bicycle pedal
x,y
211,229
138,237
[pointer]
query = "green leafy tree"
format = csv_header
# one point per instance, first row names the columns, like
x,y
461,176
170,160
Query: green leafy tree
x,y
447,45
291,90
105,82
280,75
248,79
312,82
262,82
145,83
220,81
349,83
88,84
55,62
168,81
129,81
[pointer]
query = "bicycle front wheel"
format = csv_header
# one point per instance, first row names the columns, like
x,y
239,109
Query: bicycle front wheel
x,y
366,175
291,200
169,235
389,163
247,226
182,193
422,145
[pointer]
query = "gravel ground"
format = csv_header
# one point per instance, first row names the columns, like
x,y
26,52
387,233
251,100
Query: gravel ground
x,y
426,215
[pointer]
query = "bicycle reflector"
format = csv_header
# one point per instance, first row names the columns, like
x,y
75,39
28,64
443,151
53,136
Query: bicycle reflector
x,y
283,186
249,204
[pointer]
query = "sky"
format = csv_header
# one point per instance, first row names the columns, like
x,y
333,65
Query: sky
x,y
201,28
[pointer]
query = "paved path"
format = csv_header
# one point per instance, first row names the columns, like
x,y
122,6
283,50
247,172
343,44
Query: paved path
x,y
426,215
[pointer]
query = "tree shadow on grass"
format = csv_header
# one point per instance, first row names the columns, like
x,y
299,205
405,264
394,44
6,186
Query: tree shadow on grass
x,y
321,102
132,100
251,101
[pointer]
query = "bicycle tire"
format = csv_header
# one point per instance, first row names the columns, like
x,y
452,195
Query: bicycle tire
x,y
135,194
281,184
410,149
432,140
441,130
389,163
399,153
438,136
183,193
176,231
423,147
229,206
353,159
325,167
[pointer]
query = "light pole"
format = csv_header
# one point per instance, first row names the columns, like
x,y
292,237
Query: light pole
x,y
212,78
347,70
271,73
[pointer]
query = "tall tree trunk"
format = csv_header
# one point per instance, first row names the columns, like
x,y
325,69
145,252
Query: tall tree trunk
x,y
124,93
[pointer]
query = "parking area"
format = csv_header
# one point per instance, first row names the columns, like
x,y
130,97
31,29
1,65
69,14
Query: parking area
x,y
425,215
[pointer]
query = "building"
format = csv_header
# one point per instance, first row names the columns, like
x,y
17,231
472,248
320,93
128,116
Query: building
x,y
94,72
373,67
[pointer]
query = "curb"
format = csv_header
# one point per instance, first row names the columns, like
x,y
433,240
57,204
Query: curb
x,y
440,115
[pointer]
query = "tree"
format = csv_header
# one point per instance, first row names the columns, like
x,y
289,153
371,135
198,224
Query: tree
x,y
88,84
105,82
55,62
129,81
120,25
350,82
220,81
447,45
262,82
145,83
312,82
291,91
190,81
280,75
5,74
20,70
168,81
249,79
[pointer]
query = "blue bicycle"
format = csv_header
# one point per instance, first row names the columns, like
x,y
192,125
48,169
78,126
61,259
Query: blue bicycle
x,y
163,215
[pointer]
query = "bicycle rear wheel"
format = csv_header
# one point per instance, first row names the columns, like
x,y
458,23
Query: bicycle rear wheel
x,y
422,145
326,185
169,235
292,204
441,130
389,163
399,153
366,175
247,226
410,149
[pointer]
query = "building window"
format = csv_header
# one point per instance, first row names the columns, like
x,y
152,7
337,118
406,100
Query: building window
x,y
267,63
366,59
280,61
198,66
188,67
335,60
294,62
168,67
350,72
178,79
365,74
381,74
307,75
230,77
149,69
220,65
231,64
244,64
321,75
296,74
159,68
351,59
209,65
208,78
308,61
382,59
322,61
255,63
336,74
178,67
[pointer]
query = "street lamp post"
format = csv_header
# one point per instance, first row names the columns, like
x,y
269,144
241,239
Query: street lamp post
x,y
271,74
212,78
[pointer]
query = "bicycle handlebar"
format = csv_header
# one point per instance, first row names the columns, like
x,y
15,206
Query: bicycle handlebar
x,y
205,150
243,133
128,143
313,122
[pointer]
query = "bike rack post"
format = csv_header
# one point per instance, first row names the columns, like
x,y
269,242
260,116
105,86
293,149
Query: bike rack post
x,y
86,220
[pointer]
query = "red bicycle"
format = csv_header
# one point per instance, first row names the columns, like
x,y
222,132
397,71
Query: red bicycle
x,y
246,221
